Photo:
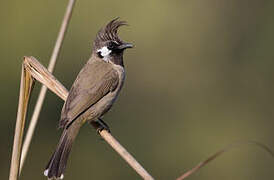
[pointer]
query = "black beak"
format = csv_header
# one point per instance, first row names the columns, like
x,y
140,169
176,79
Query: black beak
x,y
125,46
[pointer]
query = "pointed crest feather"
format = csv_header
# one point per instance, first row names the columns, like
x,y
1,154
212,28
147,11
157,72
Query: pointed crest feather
x,y
109,32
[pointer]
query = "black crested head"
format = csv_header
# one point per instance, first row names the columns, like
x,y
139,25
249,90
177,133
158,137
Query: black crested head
x,y
109,33
108,36
107,44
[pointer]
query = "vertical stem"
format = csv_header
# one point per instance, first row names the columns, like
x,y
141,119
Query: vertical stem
x,y
43,91
61,35
25,90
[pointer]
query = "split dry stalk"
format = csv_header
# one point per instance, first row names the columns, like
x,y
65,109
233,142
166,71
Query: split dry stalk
x,y
25,90
42,94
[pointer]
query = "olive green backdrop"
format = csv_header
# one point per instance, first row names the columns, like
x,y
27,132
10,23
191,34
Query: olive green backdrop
x,y
199,78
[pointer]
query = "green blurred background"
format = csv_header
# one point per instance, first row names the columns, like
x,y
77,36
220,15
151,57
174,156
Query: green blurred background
x,y
200,77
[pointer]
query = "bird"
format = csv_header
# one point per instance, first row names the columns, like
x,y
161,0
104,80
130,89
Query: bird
x,y
92,94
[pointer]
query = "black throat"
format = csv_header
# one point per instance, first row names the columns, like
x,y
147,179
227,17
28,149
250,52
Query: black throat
x,y
117,59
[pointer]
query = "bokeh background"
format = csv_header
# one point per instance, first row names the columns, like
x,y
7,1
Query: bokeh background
x,y
199,78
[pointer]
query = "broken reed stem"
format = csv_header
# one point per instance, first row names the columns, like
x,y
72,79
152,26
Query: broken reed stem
x,y
26,84
43,90
45,77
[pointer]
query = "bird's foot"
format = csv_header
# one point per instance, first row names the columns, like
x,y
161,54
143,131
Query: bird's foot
x,y
100,125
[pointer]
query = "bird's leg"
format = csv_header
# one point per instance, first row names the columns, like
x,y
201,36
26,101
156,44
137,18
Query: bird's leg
x,y
100,125
106,127
103,125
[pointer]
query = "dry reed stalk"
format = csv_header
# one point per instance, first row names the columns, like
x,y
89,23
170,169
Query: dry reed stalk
x,y
26,85
42,94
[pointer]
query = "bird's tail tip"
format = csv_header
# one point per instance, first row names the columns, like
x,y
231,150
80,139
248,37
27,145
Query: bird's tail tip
x,y
46,172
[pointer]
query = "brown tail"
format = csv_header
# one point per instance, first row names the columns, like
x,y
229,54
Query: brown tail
x,y
57,164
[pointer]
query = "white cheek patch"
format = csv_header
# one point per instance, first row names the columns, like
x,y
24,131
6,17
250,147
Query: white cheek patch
x,y
104,51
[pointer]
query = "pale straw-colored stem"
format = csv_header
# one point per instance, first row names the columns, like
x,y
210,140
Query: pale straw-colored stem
x,y
43,90
25,90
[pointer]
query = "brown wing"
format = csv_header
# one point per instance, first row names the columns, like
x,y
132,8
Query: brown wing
x,y
94,82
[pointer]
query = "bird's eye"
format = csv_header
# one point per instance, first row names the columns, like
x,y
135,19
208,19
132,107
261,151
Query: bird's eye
x,y
112,45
